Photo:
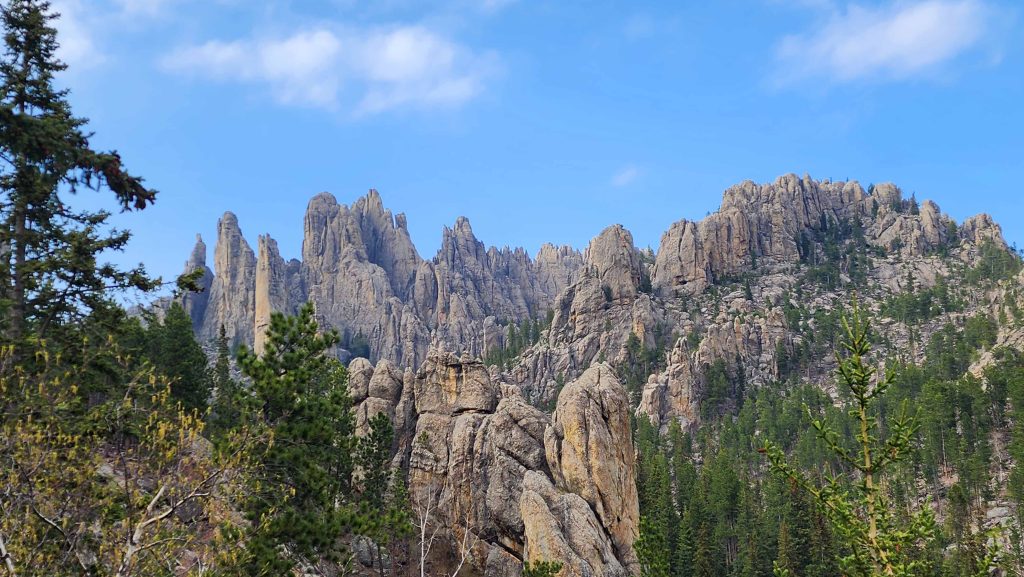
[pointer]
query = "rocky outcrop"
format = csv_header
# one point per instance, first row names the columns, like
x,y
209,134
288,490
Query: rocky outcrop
x,y
195,303
557,268
375,390
615,263
481,458
561,525
271,292
366,279
746,345
232,302
681,264
980,228
588,457
462,424
534,460
776,223
352,293
386,242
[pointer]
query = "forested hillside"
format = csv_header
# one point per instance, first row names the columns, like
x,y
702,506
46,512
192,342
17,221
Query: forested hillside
x,y
817,379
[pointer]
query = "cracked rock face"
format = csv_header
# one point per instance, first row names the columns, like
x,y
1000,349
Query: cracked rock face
x,y
195,303
588,458
483,456
615,262
232,301
766,222
367,280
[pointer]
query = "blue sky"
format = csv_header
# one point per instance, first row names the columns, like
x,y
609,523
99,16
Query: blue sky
x,y
540,121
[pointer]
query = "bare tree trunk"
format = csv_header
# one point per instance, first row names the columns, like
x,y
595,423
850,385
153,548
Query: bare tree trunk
x,y
8,562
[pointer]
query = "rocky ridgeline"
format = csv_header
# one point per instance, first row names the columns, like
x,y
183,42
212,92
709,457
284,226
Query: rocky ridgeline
x,y
692,303
362,271
517,482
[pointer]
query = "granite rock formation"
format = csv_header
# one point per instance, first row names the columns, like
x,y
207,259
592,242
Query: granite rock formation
x,y
500,474
533,459
366,279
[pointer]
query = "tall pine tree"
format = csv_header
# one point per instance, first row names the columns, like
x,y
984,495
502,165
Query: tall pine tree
x,y
52,274
301,498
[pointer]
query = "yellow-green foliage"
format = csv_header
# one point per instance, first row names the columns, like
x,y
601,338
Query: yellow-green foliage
x,y
118,486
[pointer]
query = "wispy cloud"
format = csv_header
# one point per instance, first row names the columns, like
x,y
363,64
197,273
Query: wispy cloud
x,y
384,68
625,176
891,42
142,7
85,24
78,46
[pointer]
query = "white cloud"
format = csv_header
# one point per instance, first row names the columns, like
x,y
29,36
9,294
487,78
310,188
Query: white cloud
x,y
625,176
83,24
78,48
387,68
898,41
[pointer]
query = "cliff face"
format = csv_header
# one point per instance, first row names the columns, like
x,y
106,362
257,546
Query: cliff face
x,y
769,221
716,288
232,300
508,482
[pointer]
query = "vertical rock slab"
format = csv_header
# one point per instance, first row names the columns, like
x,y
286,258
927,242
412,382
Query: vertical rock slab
x,y
271,292
560,525
232,301
589,449
681,263
195,303
387,243
615,262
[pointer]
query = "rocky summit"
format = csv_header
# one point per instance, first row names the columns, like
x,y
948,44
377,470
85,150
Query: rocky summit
x,y
513,381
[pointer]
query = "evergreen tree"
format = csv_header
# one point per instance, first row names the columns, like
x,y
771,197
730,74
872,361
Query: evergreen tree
x,y
374,460
754,556
300,500
704,561
228,396
382,501
52,275
682,558
175,354
795,549
657,517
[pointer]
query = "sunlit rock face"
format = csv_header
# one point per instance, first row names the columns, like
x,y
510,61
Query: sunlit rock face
x,y
509,482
